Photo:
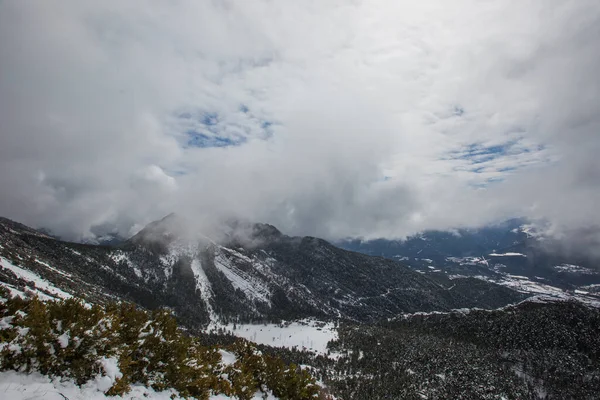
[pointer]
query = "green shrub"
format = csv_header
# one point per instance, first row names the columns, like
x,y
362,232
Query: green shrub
x,y
69,338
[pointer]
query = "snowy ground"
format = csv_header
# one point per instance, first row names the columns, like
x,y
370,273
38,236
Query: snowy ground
x,y
524,285
38,285
305,334
20,386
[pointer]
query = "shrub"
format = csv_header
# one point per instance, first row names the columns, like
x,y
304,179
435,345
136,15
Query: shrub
x,y
71,339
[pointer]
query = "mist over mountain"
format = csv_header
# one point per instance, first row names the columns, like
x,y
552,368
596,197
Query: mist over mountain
x,y
384,121
367,190
252,271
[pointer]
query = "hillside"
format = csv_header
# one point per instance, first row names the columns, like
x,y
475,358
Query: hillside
x,y
535,350
358,326
253,273
515,254
113,347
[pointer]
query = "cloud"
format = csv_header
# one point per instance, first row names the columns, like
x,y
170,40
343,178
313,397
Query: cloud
x,y
325,118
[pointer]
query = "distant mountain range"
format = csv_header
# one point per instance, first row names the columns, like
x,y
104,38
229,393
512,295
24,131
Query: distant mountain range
x,y
438,245
498,253
253,273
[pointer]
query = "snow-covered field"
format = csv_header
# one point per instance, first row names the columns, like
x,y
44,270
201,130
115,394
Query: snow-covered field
x,y
20,386
507,255
305,334
573,269
525,285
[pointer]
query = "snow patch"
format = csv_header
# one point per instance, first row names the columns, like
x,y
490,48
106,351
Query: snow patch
x,y
203,284
111,374
308,334
38,281
120,256
573,269
253,288
20,386
227,358
52,268
63,340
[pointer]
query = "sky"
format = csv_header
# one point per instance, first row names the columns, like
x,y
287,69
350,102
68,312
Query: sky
x,y
337,119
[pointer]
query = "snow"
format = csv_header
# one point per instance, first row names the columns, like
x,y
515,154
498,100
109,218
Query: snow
x,y
38,281
177,249
591,287
236,254
111,374
203,284
52,268
468,260
573,268
5,323
306,334
507,255
254,289
518,277
120,256
539,290
63,340
531,231
14,292
227,358
21,386
257,396
524,285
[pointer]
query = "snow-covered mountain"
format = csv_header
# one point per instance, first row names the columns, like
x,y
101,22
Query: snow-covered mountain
x,y
511,253
377,327
253,272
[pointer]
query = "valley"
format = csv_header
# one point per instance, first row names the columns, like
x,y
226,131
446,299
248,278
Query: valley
x,y
361,325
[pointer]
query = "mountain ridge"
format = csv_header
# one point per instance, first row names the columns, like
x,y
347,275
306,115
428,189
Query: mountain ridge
x,y
254,273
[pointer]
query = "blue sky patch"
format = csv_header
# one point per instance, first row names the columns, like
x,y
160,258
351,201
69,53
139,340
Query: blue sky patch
x,y
478,154
498,158
210,119
204,128
196,139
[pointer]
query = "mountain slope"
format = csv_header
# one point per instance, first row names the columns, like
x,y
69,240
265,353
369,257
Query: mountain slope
x,y
253,272
499,252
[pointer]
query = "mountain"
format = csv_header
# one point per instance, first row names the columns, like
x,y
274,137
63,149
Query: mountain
x,y
394,330
512,253
533,350
252,272
438,245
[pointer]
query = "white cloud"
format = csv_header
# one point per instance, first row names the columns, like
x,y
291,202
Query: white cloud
x,y
325,98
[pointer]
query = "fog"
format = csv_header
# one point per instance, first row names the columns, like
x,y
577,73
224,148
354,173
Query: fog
x,y
331,119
